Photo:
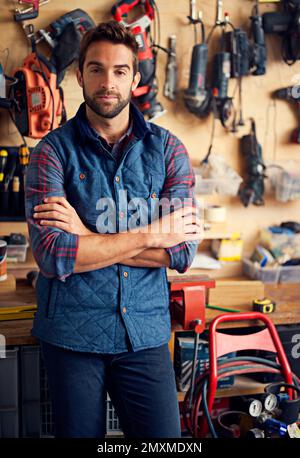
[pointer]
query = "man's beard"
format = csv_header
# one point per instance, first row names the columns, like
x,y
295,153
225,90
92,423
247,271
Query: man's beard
x,y
100,109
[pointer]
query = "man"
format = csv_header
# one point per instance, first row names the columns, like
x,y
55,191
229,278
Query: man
x,y
103,306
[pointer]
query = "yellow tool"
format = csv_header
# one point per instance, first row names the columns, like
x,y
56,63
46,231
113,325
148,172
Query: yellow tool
x,y
24,161
24,155
264,305
3,161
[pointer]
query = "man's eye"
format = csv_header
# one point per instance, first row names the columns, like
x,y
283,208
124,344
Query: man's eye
x,y
95,70
121,73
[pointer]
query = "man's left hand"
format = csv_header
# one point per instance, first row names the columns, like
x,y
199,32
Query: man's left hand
x,y
57,212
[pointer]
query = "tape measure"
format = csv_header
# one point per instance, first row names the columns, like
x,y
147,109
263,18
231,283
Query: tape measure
x,y
264,305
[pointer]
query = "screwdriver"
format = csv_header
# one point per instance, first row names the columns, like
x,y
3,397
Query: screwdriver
x,y
3,161
10,173
24,160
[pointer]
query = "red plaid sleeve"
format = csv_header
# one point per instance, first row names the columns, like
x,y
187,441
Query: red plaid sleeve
x,y
179,183
54,250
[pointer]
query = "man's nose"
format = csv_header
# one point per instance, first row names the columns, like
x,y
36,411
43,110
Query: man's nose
x,y
107,81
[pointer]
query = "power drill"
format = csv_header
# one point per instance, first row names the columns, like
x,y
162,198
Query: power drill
x,y
290,94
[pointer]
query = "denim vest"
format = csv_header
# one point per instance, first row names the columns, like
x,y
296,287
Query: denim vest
x,y
100,310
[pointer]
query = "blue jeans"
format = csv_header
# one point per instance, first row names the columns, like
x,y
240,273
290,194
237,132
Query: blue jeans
x,y
140,384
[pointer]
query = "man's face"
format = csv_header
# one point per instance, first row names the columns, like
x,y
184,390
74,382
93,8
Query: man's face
x,y
107,79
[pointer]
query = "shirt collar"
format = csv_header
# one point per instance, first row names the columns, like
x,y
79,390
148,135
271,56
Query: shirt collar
x,y
140,127
126,134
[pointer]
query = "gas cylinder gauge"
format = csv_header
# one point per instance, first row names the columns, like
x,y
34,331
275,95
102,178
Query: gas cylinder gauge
x,y
255,407
270,402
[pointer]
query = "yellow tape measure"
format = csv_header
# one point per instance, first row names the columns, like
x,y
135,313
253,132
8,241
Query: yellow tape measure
x,y
264,305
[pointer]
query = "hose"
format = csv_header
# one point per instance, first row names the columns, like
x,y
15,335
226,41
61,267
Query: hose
x,y
238,365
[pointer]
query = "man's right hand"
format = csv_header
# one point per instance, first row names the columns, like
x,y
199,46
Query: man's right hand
x,y
180,226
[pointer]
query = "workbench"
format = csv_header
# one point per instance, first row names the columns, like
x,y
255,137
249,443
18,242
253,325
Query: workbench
x,y
17,332
286,296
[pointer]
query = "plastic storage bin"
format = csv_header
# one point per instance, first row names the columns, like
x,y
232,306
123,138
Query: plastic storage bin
x,y
290,274
17,253
221,186
9,406
264,274
287,186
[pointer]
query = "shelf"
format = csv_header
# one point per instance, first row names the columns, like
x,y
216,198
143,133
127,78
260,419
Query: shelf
x,y
243,386
228,270
20,269
217,231
9,219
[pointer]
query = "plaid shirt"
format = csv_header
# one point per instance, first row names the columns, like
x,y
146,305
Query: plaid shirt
x,y
55,250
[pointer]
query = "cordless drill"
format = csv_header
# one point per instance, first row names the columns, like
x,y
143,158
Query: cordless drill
x,y
291,94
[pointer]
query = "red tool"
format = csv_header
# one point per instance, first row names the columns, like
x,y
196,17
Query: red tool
x,y
38,98
188,297
146,92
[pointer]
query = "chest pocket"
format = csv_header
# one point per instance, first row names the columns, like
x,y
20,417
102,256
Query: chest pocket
x,y
84,190
143,192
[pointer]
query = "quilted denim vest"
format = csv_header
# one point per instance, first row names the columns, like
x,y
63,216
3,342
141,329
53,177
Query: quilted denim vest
x,y
98,311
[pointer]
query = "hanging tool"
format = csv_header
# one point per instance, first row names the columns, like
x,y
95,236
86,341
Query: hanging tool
x,y
10,171
24,155
291,94
15,196
7,103
28,13
3,162
39,98
222,71
258,49
52,34
252,189
197,96
286,23
145,95
170,88
64,36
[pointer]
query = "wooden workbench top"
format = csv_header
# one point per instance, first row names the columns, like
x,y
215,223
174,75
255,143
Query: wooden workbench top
x,y
17,332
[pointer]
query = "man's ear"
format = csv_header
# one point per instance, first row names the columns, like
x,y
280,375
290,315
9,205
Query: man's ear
x,y
136,80
79,78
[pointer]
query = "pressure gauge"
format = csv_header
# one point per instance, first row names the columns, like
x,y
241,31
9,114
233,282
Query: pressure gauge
x,y
255,407
270,402
255,433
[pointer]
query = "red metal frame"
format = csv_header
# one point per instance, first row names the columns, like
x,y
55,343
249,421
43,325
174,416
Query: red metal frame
x,y
220,344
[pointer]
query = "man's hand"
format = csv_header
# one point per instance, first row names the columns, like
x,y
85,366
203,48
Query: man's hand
x,y
174,228
57,212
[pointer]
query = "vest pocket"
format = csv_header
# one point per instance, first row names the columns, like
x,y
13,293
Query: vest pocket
x,y
51,306
83,191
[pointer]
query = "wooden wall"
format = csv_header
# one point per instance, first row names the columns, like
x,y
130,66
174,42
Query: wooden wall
x,y
194,133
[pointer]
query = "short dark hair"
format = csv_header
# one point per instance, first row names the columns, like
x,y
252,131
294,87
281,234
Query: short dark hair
x,y
111,31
